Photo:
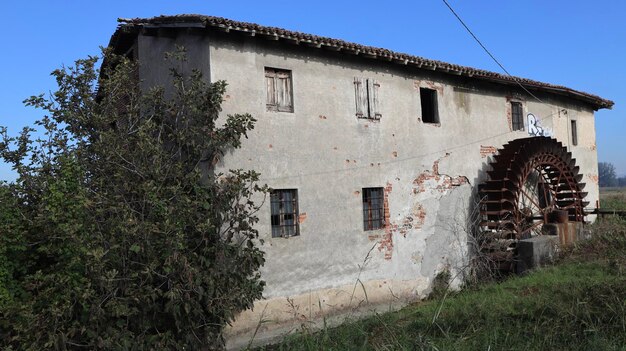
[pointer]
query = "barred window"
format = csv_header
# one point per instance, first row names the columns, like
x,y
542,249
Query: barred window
x,y
284,203
373,208
517,120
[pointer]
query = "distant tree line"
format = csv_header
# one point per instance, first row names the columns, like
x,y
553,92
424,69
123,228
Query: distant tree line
x,y
607,176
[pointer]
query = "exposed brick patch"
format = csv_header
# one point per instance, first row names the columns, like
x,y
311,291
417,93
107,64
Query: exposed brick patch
x,y
271,146
509,114
386,242
435,86
425,176
388,189
417,84
415,217
487,150
302,217
594,178
357,193
395,154
593,147
447,183
322,117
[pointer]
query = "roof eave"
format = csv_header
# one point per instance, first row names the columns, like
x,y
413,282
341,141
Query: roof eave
x,y
272,33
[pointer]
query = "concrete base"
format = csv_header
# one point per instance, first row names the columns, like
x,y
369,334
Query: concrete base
x,y
569,232
272,319
536,252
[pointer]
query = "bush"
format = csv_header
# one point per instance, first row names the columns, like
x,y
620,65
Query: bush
x,y
118,233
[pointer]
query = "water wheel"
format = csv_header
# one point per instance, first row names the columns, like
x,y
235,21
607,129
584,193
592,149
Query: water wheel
x,y
530,181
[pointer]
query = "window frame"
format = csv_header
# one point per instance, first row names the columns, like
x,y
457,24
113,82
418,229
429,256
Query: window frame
x,y
433,116
273,95
366,92
373,208
280,213
517,124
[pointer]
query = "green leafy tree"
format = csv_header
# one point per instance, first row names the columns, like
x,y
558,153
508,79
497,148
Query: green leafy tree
x,y
606,174
118,233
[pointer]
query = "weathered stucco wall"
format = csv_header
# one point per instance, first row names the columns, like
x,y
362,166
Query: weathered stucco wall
x,y
335,268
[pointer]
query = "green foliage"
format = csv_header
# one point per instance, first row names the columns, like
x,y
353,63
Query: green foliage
x,y
578,304
606,174
608,243
118,233
441,284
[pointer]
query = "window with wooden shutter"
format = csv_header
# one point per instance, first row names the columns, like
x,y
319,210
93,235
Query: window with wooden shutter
x,y
279,96
366,98
372,88
360,96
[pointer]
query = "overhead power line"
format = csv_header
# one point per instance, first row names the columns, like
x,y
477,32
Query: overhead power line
x,y
488,52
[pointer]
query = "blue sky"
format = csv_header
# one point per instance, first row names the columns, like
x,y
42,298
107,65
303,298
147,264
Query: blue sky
x,y
579,44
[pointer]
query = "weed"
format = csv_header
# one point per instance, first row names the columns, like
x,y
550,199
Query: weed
x,y
578,304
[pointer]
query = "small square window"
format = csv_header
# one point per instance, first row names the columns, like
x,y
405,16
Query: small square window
x,y
428,98
284,203
517,119
373,208
279,96
574,133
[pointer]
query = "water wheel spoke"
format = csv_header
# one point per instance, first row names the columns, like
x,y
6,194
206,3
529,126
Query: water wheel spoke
x,y
529,198
534,226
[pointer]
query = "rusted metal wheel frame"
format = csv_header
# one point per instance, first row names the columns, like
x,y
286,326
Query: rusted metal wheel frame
x,y
541,164
505,199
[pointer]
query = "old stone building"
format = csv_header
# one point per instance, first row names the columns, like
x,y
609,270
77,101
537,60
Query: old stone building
x,y
374,157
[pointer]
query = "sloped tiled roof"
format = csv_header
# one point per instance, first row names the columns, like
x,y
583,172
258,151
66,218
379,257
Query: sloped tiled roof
x,y
369,52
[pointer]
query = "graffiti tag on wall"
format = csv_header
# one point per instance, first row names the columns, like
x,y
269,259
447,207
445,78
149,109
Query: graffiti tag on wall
x,y
535,128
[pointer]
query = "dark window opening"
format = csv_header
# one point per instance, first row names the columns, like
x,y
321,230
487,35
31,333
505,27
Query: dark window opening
x,y
574,133
428,98
284,203
373,208
517,118
279,90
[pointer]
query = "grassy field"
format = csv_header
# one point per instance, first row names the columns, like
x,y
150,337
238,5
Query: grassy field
x,y
578,304
613,198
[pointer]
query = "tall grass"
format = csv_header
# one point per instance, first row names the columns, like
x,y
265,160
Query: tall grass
x,y
613,198
579,304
